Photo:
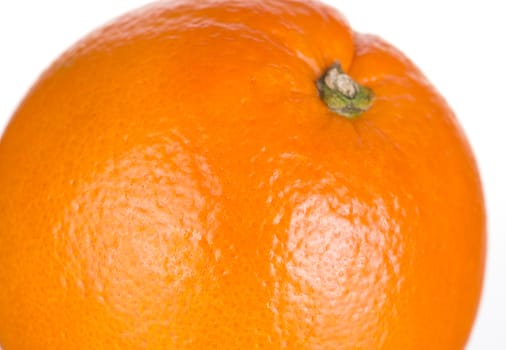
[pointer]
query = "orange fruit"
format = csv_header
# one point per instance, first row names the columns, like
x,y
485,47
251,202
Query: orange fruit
x,y
204,175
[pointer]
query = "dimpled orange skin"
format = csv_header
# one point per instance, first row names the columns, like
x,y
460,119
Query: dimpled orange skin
x,y
174,181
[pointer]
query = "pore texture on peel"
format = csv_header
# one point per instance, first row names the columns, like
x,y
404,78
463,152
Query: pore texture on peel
x,y
236,175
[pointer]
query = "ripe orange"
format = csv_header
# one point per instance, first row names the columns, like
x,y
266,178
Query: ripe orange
x,y
175,181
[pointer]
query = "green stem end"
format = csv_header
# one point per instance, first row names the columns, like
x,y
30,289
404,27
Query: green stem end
x,y
342,94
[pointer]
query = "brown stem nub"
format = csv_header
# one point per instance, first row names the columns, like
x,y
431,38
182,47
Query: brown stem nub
x,y
342,94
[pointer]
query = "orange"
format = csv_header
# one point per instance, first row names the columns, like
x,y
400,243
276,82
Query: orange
x,y
176,180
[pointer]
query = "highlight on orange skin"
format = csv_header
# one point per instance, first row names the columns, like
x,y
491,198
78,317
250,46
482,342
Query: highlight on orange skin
x,y
174,181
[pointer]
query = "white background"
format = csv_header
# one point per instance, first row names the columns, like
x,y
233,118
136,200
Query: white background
x,y
456,43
